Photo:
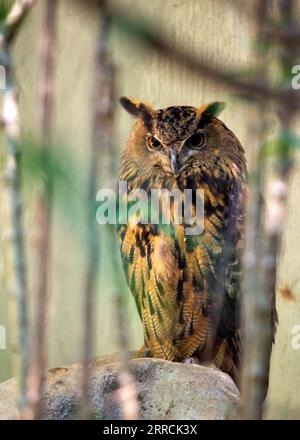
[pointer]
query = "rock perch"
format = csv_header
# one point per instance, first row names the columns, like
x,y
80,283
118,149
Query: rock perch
x,y
167,391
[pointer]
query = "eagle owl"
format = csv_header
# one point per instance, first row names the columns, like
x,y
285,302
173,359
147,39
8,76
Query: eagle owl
x,y
186,286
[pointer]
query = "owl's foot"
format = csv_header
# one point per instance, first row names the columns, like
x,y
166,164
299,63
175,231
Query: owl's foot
x,y
191,360
143,352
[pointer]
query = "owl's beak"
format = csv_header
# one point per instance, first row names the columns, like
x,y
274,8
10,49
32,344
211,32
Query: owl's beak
x,y
174,160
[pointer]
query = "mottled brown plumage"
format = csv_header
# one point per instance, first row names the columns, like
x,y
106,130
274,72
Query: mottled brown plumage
x,y
186,287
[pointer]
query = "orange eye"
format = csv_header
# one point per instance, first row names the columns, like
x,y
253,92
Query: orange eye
x,y
153,143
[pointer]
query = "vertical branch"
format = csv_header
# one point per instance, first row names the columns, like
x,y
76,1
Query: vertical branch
x,y
43,209
100,117
256,306
102,147
47,72
13,174
263,236
127,392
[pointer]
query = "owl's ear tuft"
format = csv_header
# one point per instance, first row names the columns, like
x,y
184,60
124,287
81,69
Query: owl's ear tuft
x,y
211,110
138,109
130,105
146,114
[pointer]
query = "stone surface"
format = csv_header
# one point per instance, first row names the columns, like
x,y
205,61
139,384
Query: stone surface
x,y
167,390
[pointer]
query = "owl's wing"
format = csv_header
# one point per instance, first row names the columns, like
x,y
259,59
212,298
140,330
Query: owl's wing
x,y
233,248
215,255
230,261
154,274
230,267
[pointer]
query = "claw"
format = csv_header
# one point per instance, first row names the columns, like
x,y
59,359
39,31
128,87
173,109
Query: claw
x,y
191,360
144,351
147,352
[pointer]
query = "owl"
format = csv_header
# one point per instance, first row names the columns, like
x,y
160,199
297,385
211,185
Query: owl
x,y
186,286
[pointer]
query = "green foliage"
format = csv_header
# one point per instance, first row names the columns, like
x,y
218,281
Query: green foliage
x,y
5,6
280,146
51,167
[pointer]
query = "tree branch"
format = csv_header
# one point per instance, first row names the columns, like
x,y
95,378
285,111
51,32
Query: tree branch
x,y
43,209
15,19
140,31
10,121
264,228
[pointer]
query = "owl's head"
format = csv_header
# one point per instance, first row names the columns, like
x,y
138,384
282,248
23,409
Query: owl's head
x,y
172,138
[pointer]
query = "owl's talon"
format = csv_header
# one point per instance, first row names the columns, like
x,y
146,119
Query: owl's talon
x,y
147,352
191,360
143,352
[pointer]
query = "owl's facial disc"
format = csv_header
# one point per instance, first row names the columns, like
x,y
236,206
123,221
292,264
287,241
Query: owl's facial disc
x,y
179,154
173,157
166,156
170,139
169,130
